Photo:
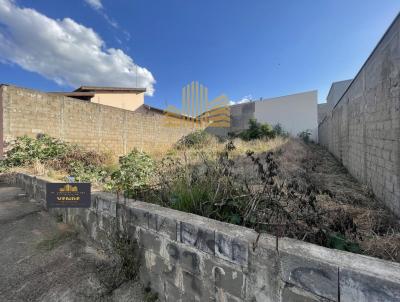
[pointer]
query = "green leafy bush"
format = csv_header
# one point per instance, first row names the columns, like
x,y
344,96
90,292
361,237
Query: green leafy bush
x,y
134,173
257,130
305,135
195,139
26,150
87,173
82,164
280,131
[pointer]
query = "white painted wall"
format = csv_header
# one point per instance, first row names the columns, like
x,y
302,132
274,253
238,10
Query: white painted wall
x,y
296,112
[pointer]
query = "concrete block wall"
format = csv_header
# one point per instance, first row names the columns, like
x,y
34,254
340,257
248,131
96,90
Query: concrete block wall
x,y
186,257
323,109
363,129
94,126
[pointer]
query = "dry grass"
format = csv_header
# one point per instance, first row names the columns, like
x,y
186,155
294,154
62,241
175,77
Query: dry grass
x,y
258,145
385,247
377,230
40,169
213,147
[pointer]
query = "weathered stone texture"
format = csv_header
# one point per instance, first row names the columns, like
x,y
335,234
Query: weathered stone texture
x,y
355,286
363,130
291,293
94,126
310,275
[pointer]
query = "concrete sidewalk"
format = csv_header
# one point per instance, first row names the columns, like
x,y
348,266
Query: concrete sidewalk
x,y
42,260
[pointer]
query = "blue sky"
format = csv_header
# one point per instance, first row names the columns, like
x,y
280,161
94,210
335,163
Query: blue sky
x,y
234,47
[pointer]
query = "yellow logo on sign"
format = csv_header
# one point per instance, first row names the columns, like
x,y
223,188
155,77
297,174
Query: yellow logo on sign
x,y
69,188
197,109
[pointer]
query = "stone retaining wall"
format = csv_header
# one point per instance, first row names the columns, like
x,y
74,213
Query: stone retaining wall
x,y
191,258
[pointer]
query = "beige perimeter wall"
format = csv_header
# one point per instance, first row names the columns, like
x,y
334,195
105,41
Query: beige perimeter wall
x,y
94,126
363,130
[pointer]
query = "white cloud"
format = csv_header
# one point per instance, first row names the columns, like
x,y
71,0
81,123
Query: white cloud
x,y
95,4
244,99
65,51
98,6
110,21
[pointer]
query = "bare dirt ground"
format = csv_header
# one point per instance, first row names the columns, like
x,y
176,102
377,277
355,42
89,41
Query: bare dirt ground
x,y
42,260
349,208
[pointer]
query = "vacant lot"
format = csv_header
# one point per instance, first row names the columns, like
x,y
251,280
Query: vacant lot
x,y
279,185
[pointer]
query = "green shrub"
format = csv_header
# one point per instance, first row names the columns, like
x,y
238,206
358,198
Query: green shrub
x,y
134,173
305,135
279,131
257,130
195,139
83,165
26,150
3,166
87,173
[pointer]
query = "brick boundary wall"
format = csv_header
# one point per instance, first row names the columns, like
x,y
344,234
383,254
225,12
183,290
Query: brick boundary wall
x,y
93,126
186,257
363,129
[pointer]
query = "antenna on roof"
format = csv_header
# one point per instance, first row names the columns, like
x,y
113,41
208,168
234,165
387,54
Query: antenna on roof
x,y
136,76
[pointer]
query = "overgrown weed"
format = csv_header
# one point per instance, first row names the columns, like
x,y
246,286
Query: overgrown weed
x,y
57,239
124,262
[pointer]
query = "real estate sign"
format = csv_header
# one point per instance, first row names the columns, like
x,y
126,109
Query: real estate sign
x,y
68,195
